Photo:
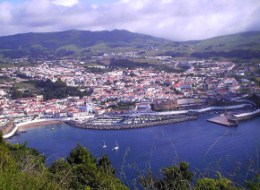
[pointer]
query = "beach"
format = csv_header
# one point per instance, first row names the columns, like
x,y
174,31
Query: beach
x,y
25,127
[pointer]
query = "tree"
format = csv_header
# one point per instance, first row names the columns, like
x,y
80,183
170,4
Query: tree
x,y
62,172
214,184
105,165
1,138
175,177
80,155
15,94
88,174
254,184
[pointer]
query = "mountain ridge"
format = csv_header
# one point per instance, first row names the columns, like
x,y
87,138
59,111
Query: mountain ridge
x,y
80,42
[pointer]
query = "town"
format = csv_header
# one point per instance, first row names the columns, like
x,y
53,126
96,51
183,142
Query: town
x,y
122,90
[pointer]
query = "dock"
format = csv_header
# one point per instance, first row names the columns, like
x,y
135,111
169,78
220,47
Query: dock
x,y
224,120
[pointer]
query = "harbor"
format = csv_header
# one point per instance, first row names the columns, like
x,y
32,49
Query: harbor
x,y
136,120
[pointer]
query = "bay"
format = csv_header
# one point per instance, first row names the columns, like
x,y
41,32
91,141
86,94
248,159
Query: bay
x,y
208,147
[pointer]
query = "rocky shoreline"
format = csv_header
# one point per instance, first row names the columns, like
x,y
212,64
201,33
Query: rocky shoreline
x,y
129,126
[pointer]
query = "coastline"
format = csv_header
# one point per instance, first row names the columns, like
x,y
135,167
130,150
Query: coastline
x,y
72,123
20,127
25,127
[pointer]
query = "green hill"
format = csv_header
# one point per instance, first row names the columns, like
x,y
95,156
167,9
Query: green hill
x,y
86,43
75,42
242,45
246,41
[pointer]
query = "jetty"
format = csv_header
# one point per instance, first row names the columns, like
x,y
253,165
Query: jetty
x,y
248,115
224,120
232,120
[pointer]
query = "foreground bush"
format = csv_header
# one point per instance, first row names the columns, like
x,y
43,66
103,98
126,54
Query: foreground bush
x,y
23,168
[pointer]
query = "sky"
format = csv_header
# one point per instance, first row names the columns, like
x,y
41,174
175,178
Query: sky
x,y
177,20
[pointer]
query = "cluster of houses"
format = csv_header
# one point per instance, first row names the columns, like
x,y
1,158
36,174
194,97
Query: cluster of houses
x,y
201,81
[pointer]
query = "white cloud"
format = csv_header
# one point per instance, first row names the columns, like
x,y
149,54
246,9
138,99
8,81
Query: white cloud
x,y
172,19
5,12
66,3
136,5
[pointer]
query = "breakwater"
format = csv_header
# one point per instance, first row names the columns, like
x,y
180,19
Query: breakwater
x,y
129,126
232,119
248,115
197,111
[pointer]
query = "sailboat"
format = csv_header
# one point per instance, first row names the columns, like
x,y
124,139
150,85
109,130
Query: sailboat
x,y
104,145
115,148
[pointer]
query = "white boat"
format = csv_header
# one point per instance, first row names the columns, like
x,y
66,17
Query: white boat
x,y
116,147
104,145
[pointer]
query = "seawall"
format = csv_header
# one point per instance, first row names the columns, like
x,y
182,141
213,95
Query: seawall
x,y
129,126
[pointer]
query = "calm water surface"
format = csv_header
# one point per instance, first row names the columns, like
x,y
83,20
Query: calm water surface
x,y
206,146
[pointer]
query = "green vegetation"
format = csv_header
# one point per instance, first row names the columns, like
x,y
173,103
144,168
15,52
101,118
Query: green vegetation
x,y
92,69
175,177
49,90
24,168
5,79
73,43
125,63
214,184
82,171
241,46
58,89
180,178
241,41
132,64
84,44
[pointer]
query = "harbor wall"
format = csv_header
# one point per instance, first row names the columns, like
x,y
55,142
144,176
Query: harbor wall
x,y
129,126
248,115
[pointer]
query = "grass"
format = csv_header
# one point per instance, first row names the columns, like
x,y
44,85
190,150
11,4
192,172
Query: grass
x,y
70,47
228,42
28,85
5,79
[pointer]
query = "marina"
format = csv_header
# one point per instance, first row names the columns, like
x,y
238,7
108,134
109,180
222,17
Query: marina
x,y
108,126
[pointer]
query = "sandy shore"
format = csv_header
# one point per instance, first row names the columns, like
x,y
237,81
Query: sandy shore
x,y
38,124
